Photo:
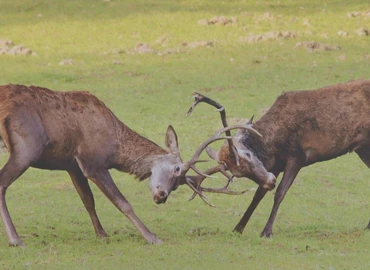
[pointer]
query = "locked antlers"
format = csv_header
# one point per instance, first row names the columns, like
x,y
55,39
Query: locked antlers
x,y
194,182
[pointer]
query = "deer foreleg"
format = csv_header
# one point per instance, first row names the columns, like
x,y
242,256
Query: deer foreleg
x,y
258,196
106,184
364,154
82,186
290,172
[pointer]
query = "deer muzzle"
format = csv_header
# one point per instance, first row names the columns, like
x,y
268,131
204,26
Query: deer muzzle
x,y
270,182
160,197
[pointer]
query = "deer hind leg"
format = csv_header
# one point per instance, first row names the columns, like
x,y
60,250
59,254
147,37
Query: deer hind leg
x,y
25,139
364,154
82,186
8,174
290,172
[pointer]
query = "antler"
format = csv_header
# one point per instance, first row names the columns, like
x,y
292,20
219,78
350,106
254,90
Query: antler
x,y
201,98
197,180
216,137
194,182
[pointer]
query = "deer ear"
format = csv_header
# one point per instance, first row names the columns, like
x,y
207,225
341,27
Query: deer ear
x,y
250,122
171,140
212,153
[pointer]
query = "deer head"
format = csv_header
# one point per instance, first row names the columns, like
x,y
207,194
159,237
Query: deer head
x,y
168,171
237,157
249,164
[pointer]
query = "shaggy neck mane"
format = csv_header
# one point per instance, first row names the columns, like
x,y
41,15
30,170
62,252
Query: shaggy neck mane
x,y
142,167
257,146
139,156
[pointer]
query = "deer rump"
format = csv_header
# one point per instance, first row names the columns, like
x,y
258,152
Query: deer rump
x,y
63,123
300,129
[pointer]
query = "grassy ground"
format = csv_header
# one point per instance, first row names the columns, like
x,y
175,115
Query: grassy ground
x,y
320,224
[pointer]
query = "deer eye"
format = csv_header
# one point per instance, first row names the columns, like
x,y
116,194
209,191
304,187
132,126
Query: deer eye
x,y
248,154
177,168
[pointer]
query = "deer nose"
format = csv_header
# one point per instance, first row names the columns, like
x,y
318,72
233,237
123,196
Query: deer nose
x,y
162,194
270,183
160,197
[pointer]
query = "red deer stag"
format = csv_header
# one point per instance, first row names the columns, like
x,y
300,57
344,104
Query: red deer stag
x,y
76,132
300,129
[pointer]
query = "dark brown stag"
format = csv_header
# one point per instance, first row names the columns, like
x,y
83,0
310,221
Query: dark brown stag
x,y
300,129
76,132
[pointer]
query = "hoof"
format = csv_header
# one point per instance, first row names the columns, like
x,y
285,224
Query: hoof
x,y
102,234
238,229
17,243
266,234
155,241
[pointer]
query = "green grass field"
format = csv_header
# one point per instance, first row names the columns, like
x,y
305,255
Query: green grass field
x,y
320,223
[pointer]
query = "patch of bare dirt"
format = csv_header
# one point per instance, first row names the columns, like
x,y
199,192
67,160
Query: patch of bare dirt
x,y
9,48
362,32
169,51
162,40
252,38
66,62
117,62
267,16
342,57
143,48
306,22
218,20
316,46
354,14
196,44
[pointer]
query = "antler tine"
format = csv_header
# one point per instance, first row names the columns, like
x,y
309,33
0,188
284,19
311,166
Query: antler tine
x,y
196,191
239,126
215,137
192,166
224,190
197,98
201,98
195,183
